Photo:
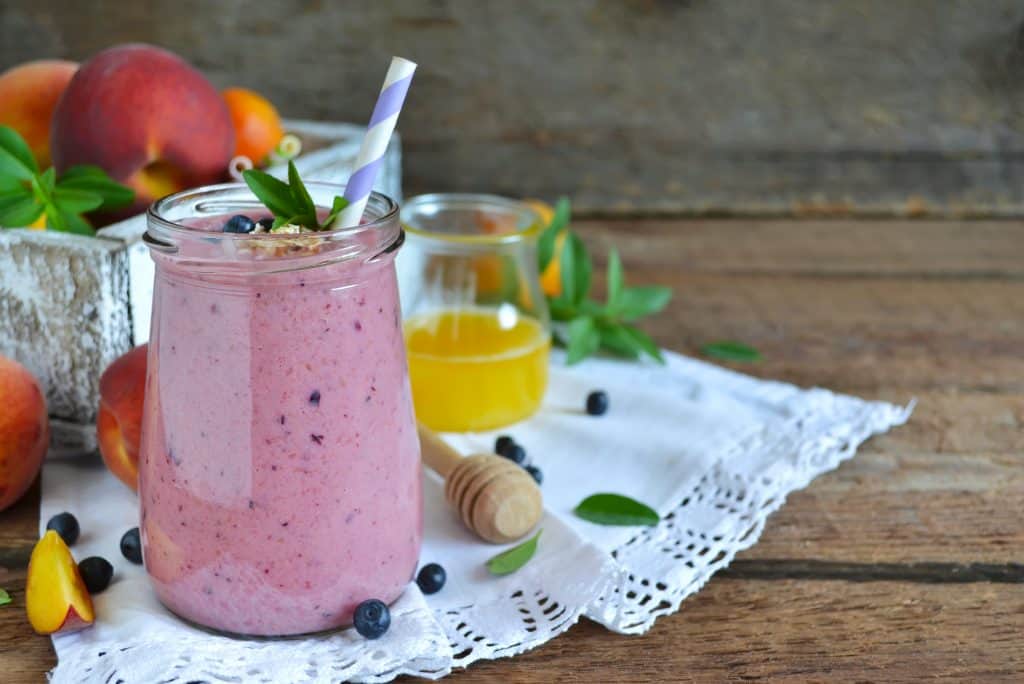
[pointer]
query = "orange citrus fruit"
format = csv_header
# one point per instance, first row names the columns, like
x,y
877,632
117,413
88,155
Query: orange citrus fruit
x,y
551,278
257,124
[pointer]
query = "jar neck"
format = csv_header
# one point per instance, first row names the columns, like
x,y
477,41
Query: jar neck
x,y
185,231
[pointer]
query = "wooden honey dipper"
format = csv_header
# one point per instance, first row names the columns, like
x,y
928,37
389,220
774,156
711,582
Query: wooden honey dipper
x,y
495,498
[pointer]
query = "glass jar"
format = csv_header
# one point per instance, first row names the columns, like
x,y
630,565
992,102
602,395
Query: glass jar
x,y
477,329
279,474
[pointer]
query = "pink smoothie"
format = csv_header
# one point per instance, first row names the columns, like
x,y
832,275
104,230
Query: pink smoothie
x,y
280,472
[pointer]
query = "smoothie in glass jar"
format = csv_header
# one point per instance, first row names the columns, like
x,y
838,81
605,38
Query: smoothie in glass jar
x,y
279,471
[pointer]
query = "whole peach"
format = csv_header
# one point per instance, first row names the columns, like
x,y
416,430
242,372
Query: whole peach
x,y
24,430
119,420
28,95
147,118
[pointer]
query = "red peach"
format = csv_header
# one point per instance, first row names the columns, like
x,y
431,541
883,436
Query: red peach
x,y
147,118
24,431
28,95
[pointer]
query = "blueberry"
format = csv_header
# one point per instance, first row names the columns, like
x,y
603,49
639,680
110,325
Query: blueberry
x,y
96,573
239,224
535,473
597,403
372,618
267,223
66,525
431,578
131,546
516,454
502,443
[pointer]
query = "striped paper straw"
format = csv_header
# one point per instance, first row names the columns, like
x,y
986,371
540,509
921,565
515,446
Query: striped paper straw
x,y
378,134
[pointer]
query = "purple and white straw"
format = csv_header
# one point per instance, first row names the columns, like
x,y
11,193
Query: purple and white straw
x,y
378,134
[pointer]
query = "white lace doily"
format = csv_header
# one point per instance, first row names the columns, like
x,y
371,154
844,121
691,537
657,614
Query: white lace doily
x,y
715,452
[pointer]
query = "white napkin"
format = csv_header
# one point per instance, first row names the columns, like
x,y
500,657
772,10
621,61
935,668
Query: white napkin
x,y
714,452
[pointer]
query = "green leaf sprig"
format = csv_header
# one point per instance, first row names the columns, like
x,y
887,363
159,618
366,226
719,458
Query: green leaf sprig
x,y
5,598
290,202
26,193
592,325
507,562
615,509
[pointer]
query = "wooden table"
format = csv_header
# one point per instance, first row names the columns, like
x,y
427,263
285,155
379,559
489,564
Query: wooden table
x,y
905,563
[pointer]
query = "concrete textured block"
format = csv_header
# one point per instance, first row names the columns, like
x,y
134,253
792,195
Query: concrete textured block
x,y
69,305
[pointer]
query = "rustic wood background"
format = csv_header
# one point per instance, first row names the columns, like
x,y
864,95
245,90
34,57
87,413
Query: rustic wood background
x,y
628,106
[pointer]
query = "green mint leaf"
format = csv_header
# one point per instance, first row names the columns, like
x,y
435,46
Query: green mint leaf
x,y
615,279
76,201
336,208
643,342
73,223
19,208
16,159
637,302
274,193
93,179
56,220
615,509
301,196
5,598
507,562
728,350
48,180
575,269
618,341
548,239
584,339
561,310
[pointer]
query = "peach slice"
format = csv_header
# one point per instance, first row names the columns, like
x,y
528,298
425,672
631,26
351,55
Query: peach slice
x,y
56,599
119,420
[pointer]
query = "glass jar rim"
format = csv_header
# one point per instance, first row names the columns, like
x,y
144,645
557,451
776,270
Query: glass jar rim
x,y
153,213
471,201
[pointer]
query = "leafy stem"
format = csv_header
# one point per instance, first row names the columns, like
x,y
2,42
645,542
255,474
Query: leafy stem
x,y
592,325
290,203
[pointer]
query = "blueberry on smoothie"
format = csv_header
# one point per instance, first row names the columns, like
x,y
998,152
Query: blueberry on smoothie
x,y
266,223
431,578
535,473
96,573
372,618
131,546
66,526
239,224
597,403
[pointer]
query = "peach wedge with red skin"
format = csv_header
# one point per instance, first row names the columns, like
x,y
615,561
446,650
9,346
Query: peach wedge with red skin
x,y
24,431
119,420
147,118
56,599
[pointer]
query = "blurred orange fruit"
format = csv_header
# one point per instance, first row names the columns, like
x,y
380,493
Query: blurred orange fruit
x,y
551,278
257,124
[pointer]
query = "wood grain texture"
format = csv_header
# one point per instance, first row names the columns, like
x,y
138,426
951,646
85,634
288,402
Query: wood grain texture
x,y
781,106
903,564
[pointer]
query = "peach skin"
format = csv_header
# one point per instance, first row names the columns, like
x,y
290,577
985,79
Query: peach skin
x,y
24,431
148,119
119,421
28,95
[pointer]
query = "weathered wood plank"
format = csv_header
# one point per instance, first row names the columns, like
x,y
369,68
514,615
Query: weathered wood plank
x,y
790,106
975,250
818,631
